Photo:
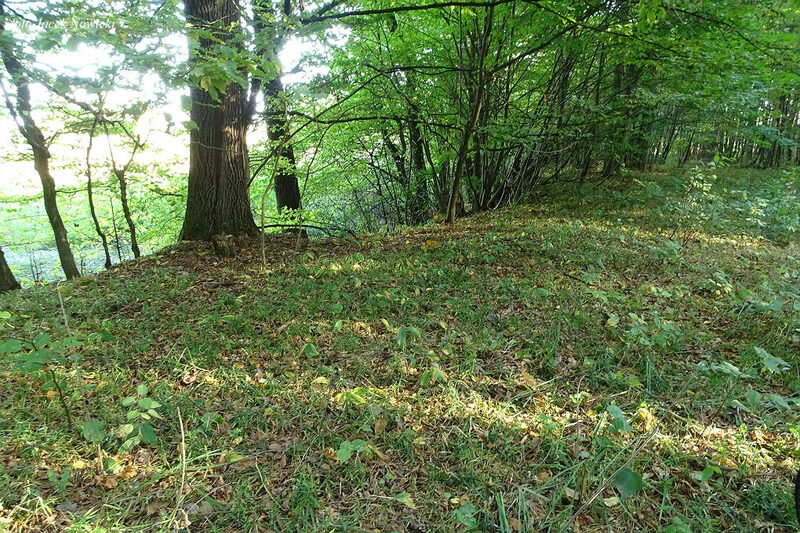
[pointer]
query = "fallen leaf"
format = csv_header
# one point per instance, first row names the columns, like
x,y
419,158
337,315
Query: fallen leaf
x,y
611,501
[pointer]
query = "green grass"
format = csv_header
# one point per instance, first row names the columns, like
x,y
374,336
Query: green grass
x,y
469,370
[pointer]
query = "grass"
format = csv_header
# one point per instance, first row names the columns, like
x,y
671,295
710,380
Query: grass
x,y
517,372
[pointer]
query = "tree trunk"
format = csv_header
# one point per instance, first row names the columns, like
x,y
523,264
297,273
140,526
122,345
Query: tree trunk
x,y
90,193
7,280
287,189
218,200
123,198
21,111
452,206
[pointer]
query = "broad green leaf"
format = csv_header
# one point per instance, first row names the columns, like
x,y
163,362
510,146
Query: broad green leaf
x,y
93,431
628,483
41,339
10,346
148,403
148,434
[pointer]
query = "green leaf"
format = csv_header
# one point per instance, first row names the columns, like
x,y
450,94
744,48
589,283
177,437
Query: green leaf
x,y
41,339
148,434
142,390
345,451
613,320
405,499
127,402
310,350
10,346
93,431
628,482
147,403
619,422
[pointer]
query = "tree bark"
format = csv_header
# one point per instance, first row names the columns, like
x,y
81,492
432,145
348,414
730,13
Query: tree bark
x,y
21,111
7,280
452,206
218,199
287,188
123,198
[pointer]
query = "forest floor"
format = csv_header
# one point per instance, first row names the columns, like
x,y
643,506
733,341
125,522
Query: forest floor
x,y
611,359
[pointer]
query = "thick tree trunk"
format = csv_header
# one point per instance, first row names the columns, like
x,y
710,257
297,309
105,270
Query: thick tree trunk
x,y
21,111
7,280
218,200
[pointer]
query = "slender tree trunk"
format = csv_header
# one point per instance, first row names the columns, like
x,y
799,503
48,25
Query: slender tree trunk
x,y
461,157
90,194
126,211
218,200
7,280
21,111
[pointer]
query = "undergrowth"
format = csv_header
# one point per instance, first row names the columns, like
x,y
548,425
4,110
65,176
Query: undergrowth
x,y
559,366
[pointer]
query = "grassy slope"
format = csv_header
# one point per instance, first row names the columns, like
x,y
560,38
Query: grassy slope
x,y
538,318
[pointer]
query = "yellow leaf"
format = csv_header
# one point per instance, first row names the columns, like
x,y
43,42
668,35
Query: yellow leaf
x,y
611,502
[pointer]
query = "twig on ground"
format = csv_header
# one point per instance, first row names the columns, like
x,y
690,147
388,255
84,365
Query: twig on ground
x,y
179,496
